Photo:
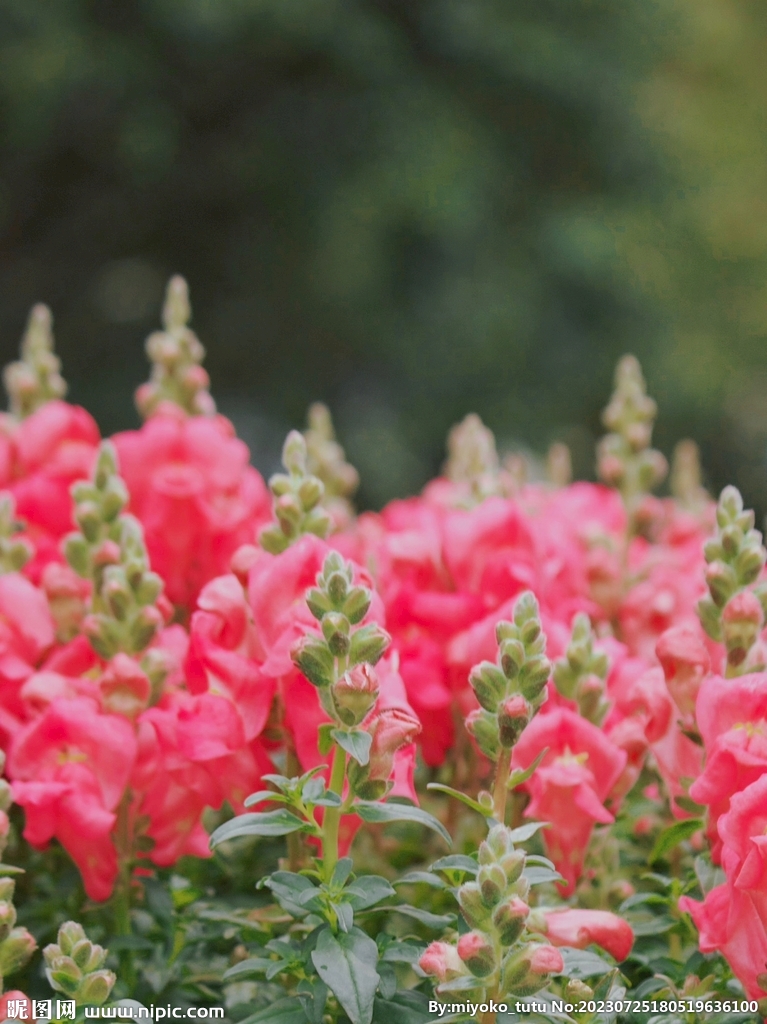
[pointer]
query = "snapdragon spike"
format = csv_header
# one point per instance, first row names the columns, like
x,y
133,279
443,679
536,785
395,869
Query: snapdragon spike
x,y
176,354
685,479
126,598
581,674
472,461
35,379
733,610
326,459
297,500
75,966
625,458
513,688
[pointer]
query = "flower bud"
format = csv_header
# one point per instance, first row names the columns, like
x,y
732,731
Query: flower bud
x,y
69,934
368,644
513,865
7,888
509,919
145,626
492,883
96,987
441,960
483,726
355,694
357,604
533,676
311,492
499,841
17,948
489,684
103,635
63,974
526,971
294,453
311,656
6,797
77,553
391,729
577,991
477,952
337,587
512,657
472,905
7,918
721,581
513,716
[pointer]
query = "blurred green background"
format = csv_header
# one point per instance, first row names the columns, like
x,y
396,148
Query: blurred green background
x,y
408,208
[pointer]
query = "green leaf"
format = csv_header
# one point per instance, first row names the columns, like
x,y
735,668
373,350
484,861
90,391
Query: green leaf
x,y
402,953
437,787
262,796
10,869
421,878
690,806
403,1008
520,775
367,890
707,874
254,965
424,916
347,965
456,862
345,915
290,890
314,995
284,1011
582,963
525,832
537,876
377,813
356,743
270,823
673,836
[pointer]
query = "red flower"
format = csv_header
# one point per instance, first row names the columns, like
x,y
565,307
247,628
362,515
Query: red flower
x,y
195,494
579,928
570,785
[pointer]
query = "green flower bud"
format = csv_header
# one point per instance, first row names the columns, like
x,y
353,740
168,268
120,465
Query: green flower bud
x,y
310,492
478,953
472,905
492,883
509,920
7,918
483,726
6,799
357,604
319,603
355,694
7,888
335,629
69,934
489,684
77,553
512,657
96,988
513,865
16,949
312,657
368,644
499,841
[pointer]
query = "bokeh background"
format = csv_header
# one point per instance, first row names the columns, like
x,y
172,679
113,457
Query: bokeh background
x,y
408,208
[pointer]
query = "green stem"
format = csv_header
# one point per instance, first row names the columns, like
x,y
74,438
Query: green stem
x,y
121,900
333,814
500,789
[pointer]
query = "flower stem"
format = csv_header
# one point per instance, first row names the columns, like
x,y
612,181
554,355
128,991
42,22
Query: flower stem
x,y
121,899
500,791
333,814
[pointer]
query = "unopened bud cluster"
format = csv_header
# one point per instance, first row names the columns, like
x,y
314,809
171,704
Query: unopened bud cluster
x,y
176,355
35,379
497,951
339,661
15,551
685,479
472,459
734,610
326,458
109,550
580,675
624,457
512,689
16,944
297,500
75,966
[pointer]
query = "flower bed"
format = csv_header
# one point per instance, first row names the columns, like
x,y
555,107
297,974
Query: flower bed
x,y
502,741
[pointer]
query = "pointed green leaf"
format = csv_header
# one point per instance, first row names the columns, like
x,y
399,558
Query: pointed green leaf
x,y
284,1011
456,862
421,878
325,738
520,775
525,832
254,965
270,823
346,963
262,796
378,813
437,787
367,890
356,743
673,836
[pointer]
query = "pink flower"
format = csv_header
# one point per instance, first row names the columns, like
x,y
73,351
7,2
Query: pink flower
x,y
441,960
581,928
569,787
728,923
49,451
69,769
195,494
732,718
685,662
26,634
